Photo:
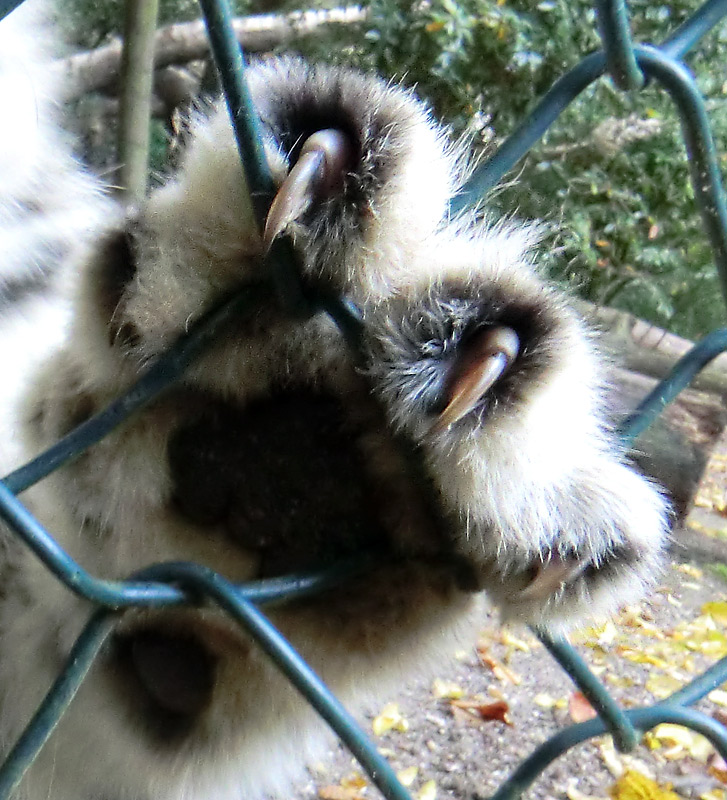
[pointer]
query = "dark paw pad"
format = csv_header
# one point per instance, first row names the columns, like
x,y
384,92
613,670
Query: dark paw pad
x,y
168,676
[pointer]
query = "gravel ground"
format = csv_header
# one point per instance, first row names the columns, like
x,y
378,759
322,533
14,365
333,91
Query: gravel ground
x,y
469,759
450,753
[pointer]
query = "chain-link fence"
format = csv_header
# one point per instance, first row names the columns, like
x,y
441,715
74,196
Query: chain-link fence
x,y
629,66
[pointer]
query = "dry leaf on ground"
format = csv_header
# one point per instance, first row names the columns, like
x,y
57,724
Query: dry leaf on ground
x,y
499,710
580,709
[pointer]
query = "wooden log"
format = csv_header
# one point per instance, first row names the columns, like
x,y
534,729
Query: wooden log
x,y
676,448
641,347
98,70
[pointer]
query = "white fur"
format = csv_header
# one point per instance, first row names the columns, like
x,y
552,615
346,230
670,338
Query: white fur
x,y
541,478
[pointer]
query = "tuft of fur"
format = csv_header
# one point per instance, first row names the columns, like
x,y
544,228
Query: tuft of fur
x,y
278,452
48,205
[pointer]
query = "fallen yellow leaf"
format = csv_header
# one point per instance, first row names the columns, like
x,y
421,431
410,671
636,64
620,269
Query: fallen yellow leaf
x,y
633,785
513,641
714,794
710,644
389,719
407,776
682,742
662,686
603,635
718,696
428,791
355,781
544,700
611,758
641,657
338,793
717,610
621,681
690,570
446,690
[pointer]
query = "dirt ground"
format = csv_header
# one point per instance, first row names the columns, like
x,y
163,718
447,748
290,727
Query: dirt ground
x,y
434,735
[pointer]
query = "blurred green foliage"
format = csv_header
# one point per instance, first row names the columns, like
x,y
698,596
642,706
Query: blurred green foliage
x,y
610,178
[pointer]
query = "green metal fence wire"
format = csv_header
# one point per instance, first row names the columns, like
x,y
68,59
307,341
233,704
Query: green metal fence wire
x,y
629,66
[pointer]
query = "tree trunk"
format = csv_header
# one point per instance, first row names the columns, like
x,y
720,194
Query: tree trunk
x,y
135,99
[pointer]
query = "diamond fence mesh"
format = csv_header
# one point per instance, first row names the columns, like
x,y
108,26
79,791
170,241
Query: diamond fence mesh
x,y
629,66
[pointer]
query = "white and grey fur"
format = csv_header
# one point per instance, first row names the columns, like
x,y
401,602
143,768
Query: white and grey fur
x,y
301,437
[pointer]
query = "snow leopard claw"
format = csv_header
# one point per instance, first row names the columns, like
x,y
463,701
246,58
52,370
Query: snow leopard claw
x,y
486,358
318,172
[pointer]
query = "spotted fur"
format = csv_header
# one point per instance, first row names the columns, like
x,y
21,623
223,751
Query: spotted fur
x,y
279,451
